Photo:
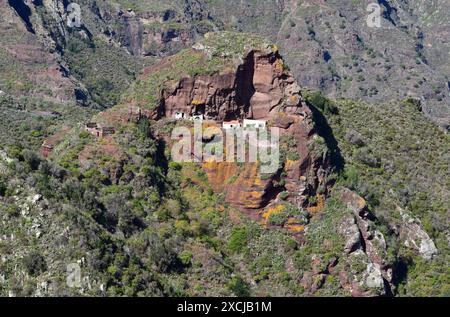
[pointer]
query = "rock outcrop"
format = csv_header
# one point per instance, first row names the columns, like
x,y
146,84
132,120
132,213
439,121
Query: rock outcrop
x,y
260,88
364,245
415,237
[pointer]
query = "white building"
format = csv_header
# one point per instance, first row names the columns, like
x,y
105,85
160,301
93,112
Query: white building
x,y
231,125
179,115
197,117
257,124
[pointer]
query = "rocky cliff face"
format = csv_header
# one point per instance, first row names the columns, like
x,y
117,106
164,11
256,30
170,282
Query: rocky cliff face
x,y
241,81
257,89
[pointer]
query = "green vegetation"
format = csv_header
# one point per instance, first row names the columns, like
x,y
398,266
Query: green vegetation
x,y
238,239
27,121
288,148
148,91
289,211
238,286
106,73
140,224
230,45
143,225
322,231
319,101
396,157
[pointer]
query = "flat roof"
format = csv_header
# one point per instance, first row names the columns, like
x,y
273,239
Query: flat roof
x,y
231,122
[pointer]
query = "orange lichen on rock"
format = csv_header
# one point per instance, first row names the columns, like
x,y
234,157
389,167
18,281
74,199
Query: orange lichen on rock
x,y
353,201
219,173
295,228
361,203
243,185
293,225
313,210
197,102
293,99
279,65
272,211
290,164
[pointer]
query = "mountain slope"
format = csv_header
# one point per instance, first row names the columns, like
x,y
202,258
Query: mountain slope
x,y
162,227
358,207
399,162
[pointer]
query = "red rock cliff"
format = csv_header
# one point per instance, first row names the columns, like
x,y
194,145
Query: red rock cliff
x,y
257,89
260,88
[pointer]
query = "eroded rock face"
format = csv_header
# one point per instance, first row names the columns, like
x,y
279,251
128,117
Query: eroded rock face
x,y
259,88
256,89
150,33
362,267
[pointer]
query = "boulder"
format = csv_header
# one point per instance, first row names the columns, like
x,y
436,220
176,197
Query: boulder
x,y
415,237
349,229
374,278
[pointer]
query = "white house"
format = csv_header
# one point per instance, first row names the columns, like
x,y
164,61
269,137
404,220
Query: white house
x,y
179,115
258,124
231,125
197,117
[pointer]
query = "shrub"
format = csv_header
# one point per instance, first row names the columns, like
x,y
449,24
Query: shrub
x,y
350,177
84,135
14,151
238,286
317,100
186,257
175,166
34,263
284,195
354,138
278,219
12,211
144,127
31,158
238,239
366,157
